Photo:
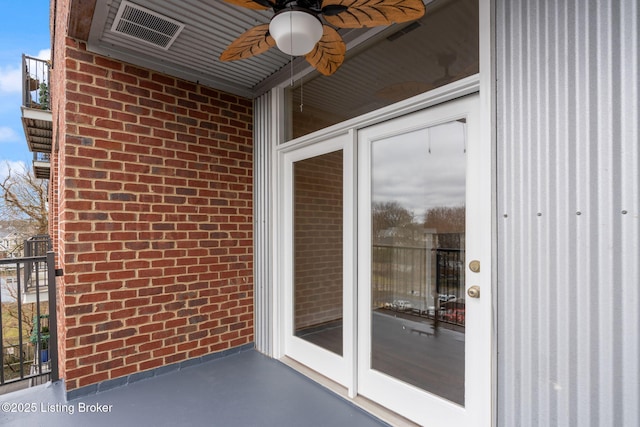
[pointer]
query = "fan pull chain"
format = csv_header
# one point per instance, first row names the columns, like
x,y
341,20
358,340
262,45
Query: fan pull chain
x,y
301,93
291,67
291,47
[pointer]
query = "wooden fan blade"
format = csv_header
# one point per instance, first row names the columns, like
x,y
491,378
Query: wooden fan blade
x,y
253,42
252,4
372,13
329,52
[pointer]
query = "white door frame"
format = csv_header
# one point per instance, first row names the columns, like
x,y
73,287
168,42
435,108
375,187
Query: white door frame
x,y
484,82
452,91
398,396
337,368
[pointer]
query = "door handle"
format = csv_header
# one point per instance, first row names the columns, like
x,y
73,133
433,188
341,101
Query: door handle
x,y
474,291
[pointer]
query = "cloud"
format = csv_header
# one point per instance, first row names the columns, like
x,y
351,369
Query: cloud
x,y
8,135
5,165
44,54
421,171
11,76
10,80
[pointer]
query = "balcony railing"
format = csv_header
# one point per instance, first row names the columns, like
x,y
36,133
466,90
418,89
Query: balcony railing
x,y
42,165
35,93
28,342
37,118
35,272
37,246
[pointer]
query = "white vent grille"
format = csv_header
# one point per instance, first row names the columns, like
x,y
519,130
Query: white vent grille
x,y
146,25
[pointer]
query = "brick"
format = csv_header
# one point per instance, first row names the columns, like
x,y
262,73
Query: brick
x,y
93,339
123,97
109,84
136,302
127,370
157,211
75,373
79,331
136,71
123,333
123,314
124,77
151,364
108,326
109,104
92,297
79,309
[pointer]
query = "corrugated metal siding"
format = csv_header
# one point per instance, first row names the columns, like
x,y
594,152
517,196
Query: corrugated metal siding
x,y
568,190
262,227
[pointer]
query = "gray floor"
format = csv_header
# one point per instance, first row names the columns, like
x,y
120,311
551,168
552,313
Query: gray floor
x,y
245,389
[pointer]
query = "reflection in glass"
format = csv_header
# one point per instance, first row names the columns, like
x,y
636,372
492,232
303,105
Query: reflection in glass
x,y
418,241
403,61
318,250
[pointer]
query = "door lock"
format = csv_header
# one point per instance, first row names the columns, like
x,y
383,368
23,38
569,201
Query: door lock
x,y
474,291
474,266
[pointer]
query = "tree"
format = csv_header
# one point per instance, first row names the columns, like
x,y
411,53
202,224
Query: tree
x,y
24,197
449,224
386,215
445,219
394,224
11,316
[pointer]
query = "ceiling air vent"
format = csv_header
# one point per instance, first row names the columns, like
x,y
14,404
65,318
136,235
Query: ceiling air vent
x,y
146,25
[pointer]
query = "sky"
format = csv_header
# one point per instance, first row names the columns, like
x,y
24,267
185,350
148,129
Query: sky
x,y
422,169
24,28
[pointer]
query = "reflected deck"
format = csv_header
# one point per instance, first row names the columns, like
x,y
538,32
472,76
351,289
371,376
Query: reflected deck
x,y
410,348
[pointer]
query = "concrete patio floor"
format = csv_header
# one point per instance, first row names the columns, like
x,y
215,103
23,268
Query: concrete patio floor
x,y
243,389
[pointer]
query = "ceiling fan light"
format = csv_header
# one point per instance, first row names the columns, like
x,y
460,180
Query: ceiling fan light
x,y
296,32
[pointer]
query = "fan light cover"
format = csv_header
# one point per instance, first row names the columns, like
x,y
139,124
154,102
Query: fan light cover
x,y
295,32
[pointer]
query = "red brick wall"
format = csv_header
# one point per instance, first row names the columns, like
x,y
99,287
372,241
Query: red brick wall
x,y
58,102
318,240
155,218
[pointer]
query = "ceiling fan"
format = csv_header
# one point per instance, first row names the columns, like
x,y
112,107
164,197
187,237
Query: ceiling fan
x,y
297,27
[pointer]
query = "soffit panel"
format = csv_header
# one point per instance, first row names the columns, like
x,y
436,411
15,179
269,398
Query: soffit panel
x,y
209,28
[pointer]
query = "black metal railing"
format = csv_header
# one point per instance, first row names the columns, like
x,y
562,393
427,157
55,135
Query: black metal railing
x,y
38,245
35,93
42,157
420,281
35,272
28,341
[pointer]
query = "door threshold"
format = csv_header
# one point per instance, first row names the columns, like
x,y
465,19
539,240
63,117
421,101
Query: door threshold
x,y
362,402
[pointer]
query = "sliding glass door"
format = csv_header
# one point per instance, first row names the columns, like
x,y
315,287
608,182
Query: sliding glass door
x,y
384,233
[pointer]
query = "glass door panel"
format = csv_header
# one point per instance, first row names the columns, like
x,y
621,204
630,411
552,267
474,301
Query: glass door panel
x,y
417,254
318,253
316,258
424,196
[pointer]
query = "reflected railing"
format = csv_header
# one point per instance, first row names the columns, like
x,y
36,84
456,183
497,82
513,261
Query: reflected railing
x,y
406,280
